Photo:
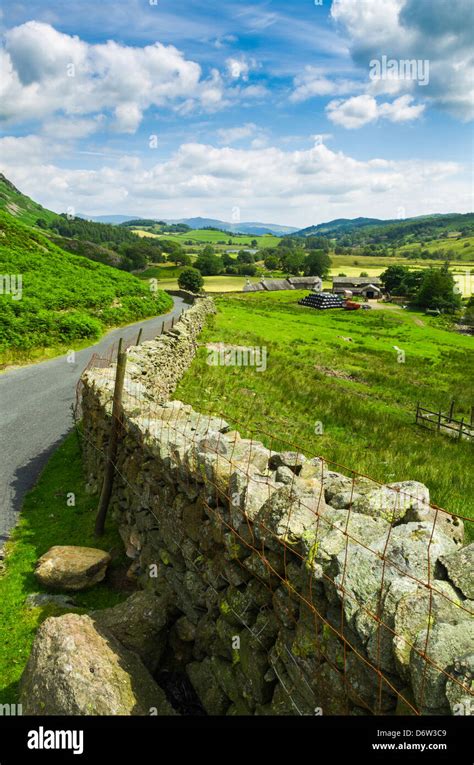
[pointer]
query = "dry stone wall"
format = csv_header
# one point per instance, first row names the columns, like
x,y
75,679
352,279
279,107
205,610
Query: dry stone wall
x,y
285,587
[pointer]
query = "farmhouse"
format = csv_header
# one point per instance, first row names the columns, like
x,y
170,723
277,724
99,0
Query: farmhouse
x,y
313,283
368,286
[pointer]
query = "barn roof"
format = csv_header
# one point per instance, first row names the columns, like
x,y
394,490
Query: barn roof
x,y
305,279
357,281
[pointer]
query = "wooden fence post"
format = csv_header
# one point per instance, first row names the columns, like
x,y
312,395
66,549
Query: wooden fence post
x,y
451,410
461,426
439,421
109,471
163,327
140,333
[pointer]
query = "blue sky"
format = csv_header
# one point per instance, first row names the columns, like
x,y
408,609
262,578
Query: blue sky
x,y
253,111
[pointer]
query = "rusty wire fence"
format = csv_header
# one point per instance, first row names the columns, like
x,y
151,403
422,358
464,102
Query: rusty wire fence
x,y
277,549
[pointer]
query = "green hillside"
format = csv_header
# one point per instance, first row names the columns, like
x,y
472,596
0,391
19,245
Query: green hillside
x,y
20,206
65,299
362,231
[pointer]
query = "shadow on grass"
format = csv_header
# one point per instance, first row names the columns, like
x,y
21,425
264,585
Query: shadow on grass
x,y
47,519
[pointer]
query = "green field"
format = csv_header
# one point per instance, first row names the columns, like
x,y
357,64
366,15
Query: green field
x,y
205,236
341,369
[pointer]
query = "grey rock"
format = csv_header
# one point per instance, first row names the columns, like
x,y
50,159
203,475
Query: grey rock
x,y
366,687
345,499
460,568
450,525
419,609
67,567
339,528
248,493
393,501
76,668
213,699
293,460
284,475
289,516
41,599
460,688
446,643
139,624
410,553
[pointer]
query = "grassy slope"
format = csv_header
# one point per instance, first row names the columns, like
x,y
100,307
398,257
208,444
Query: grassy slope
x,y
66,298
462,249
47,520
20,206
368,420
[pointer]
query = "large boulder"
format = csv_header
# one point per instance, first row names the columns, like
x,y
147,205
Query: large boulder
x,y
67,567
77,668
460,568
444,644
139,623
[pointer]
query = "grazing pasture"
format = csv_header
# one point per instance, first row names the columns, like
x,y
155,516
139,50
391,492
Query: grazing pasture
x,y
335,386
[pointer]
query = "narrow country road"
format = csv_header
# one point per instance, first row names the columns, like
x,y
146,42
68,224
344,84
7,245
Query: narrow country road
x,y
35,413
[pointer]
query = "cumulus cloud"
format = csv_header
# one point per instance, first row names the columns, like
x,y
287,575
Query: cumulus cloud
x,y
238,133
314,82
46,72
432,30
362,110
239,68
291,186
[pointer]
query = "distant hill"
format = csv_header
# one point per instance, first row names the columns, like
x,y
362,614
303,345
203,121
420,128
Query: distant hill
x,y
336,226
116,220
363,231
256,229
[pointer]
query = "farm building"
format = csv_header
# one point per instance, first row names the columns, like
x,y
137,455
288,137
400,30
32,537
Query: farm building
x,y
368,286
313,283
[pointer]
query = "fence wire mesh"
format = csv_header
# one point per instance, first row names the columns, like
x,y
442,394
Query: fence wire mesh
x,y
275,550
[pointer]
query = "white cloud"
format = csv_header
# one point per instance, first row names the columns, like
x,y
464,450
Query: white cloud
x,y
314,82
238,133
432,30
46,72
354,112
239,68
299,187
401,110
71,128
362,110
